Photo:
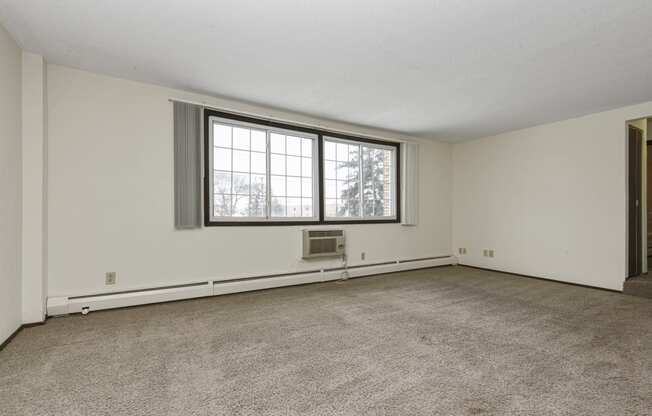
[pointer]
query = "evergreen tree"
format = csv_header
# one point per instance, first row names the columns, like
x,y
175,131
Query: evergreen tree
x,y
372,183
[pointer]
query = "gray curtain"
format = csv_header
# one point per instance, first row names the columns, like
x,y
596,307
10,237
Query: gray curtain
x,y
409,183
187,166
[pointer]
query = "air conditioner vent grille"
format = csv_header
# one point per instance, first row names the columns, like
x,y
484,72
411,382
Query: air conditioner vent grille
x,y
323,243
325,233
323,246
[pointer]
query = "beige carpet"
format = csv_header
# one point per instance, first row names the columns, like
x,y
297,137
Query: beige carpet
x,y
445,341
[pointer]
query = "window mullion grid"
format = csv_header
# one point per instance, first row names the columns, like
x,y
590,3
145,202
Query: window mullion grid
x,y
393,184
211,166
316,185
317,181
361,186
232,196
301,176
249,204
268,179
285,161
373,186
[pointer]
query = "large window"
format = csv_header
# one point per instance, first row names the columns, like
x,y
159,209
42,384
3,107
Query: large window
x,y
359,180
262,172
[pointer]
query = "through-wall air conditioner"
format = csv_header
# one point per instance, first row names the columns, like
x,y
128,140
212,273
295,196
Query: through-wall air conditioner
x,y
323,243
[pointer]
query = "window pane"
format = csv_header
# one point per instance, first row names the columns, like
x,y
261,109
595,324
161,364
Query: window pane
x,y
306,167
294,207
277,143
354,153
342,152
348,193
293,186
344,189
278,164
278,207
240,206
354,172
258,196
388,207
348,207
221,135
258,162
258,141
342,208
240,161
221,159
257,206
257,173
240,138
241,183
293,146
329,150
306,207
354,208
342,170
306,147
368,206
344,192
380,208
222,182
330,189
258,186
306,187
377,187
293,166
330,207
278,185
329,170
222,205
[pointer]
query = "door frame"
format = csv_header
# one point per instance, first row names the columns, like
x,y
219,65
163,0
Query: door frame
x,y
635,171
647,149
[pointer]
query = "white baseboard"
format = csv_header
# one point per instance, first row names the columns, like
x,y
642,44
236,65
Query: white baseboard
x,y
65,305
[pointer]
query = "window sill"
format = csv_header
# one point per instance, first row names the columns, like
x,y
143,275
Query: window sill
x,y
257,223
342,222
295,223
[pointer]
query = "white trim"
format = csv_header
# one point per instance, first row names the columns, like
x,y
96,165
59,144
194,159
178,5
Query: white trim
x,y
73,304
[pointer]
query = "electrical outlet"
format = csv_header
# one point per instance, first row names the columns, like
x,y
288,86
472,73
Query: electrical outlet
x,y
485,253
462,250
363,255
491,253
109,278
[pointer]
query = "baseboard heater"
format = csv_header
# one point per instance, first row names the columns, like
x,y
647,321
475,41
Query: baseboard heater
x,y
75,304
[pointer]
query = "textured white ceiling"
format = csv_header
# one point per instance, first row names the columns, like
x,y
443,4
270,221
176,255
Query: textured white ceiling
x,y
445,69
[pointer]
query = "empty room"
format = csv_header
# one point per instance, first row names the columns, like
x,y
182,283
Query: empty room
x,y
428,207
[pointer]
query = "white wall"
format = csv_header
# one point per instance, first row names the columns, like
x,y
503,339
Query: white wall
x,y
34,192
10,185
550,200
110,204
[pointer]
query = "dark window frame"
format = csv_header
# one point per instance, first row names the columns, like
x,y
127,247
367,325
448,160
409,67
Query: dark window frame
x,y
206,194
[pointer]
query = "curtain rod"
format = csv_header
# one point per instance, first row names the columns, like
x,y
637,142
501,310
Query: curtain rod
x,y
280,120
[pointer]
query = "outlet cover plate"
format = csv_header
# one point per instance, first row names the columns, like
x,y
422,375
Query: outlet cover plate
x,y
110,278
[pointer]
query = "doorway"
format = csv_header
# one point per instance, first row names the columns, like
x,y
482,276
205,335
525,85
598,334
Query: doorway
x,y
634,203
648,191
